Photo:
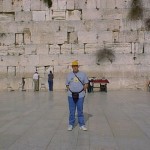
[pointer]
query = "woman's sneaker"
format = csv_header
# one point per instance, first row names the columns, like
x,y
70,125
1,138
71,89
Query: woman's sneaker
x,y
70,127
83,128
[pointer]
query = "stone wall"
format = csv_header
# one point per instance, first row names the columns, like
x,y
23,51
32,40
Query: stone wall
x,y
34,37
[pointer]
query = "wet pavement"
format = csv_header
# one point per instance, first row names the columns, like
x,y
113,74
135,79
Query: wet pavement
x,y
116,120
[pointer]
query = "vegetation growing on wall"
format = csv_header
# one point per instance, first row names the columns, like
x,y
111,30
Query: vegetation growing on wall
x,y
48,2
136,10
105,54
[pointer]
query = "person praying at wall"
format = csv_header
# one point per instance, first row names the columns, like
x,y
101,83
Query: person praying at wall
x,y
50,80
36,81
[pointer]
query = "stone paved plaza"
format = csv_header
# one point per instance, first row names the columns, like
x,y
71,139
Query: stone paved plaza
x,y
117,120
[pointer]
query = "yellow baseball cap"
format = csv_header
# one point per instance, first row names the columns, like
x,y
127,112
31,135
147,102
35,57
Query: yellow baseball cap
x,y
75,63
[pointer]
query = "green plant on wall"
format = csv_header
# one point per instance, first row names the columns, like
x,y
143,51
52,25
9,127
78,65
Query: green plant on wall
x,y
136,10
48,2
105,54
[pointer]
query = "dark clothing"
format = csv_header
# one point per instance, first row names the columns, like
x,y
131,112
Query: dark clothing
x,y
50,81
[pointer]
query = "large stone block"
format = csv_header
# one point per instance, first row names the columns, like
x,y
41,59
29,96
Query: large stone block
x,y
7,17
30,49
66,49
60,37
91,4
19,38
3,50
131,36
17,5
48,60
16,50
23,16
12,60
72,37
110,4
73,15
42,49
105,36
7,39
80,4
35,5
3,72
39,15
147,36
91,14
58,14
1,5
147,48
77,48
62,4
26,5
91,48
70,4
7,6
91,37
54,49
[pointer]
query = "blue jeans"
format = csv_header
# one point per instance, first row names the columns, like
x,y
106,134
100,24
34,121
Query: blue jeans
x,y
72,110
50,83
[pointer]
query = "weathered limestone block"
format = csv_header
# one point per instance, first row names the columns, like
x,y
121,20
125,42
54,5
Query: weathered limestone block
x,y
7,39
131,36
78,25
77,49
80,4
60,37
73,15
101,25
6,17
54,49
58,14
17,5
23,16
1,5
12,60
33,60
72,37
16,51
143,59
35,5
110,4
120,47
91,14
147,36
3,50
7,6
3,71
103,4
70,4
123,59
11,71
113,25
39,15
62,4
87,37
112,14
48,15
42,49
66,49
116,36
122,37
27,36
46,27
19,38
42,38
120,3
91,4
26,5
30,50
91,48
105,36
147,48
23,26
48,60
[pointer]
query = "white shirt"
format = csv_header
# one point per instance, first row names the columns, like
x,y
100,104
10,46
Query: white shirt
x,y
35,76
